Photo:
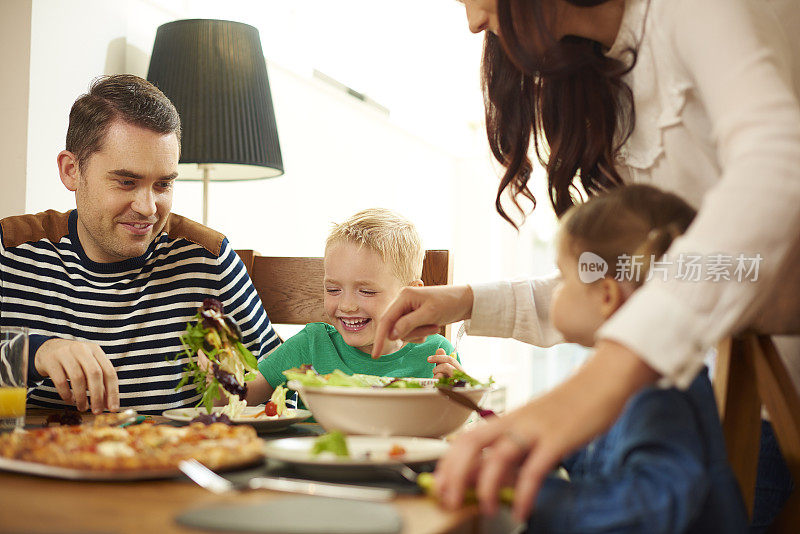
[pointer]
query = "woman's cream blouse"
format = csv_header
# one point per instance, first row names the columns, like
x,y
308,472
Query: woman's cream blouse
x,y
716,86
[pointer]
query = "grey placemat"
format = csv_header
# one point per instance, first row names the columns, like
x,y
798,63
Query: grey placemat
x,y
296,515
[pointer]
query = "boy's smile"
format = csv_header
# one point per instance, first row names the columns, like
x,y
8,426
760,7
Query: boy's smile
x,y
359,286
354,324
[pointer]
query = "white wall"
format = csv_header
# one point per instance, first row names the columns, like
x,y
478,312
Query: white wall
x,y
340,155
15,46
71,43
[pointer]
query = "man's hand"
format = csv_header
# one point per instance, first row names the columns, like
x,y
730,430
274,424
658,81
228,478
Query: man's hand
x,y
83,366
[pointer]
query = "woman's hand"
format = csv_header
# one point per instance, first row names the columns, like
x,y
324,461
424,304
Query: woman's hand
x,y
418,312
444,364
532,439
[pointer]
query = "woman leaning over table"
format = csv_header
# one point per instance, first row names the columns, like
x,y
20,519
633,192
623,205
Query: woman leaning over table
x,y
699,98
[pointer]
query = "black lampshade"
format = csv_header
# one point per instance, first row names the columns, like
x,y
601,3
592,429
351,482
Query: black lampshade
x,y
214,72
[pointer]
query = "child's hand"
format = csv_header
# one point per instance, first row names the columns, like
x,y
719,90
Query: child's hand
x,y
206,365
204,362
446,364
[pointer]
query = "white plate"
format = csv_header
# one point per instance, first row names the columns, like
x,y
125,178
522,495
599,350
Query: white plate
x,y
69,473
263,424
365,451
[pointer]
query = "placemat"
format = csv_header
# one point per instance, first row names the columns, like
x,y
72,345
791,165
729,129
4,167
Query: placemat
x,y
296,515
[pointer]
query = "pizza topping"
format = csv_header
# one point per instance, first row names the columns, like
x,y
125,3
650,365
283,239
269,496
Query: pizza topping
x,y
209,418
114,448
64,418
140,447
107,432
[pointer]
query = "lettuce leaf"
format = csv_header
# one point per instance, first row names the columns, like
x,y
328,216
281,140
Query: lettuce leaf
x,y
279,398
333,442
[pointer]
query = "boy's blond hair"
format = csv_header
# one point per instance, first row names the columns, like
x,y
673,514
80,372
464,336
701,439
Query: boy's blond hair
x,y
387,233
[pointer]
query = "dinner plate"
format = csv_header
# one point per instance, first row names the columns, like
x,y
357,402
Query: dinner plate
x,y
67,473
365,451
262,424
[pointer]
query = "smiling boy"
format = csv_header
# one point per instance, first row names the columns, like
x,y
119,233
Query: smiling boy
x,y
368,259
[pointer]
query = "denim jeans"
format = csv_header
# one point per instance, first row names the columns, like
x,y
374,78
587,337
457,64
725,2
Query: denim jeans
x,y
774,482
661,469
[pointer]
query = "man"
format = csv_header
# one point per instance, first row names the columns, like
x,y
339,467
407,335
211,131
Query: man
x,y
105,290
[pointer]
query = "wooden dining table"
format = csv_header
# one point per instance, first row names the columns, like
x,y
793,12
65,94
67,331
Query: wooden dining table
x,y
38,504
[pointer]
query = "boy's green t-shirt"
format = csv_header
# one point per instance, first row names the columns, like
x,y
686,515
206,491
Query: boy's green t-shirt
x,y
323,347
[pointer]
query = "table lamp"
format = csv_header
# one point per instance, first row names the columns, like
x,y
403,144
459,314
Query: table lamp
x,y
215,74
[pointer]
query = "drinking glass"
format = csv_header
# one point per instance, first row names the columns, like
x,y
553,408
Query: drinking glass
x,y
13,377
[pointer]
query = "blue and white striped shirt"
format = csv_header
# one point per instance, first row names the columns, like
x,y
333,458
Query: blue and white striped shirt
x,y
135,310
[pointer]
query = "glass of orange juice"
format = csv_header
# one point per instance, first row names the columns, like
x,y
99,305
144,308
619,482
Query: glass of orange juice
x,y
13,377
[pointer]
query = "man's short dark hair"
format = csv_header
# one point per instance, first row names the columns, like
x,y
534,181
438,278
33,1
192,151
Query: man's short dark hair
x,y
123,97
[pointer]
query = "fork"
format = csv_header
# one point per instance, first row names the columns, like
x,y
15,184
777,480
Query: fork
x,y
465,401
211,481
402,470
460,334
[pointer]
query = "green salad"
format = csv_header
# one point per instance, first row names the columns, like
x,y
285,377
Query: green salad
x,y
333,442
218,363
308,377
461,379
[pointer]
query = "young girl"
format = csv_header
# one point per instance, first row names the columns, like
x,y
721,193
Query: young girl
x,y
662,467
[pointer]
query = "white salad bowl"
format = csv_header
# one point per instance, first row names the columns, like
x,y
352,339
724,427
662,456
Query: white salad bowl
x,y
420,412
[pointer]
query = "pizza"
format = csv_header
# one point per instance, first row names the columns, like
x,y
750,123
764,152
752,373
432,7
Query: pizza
x,y
143,447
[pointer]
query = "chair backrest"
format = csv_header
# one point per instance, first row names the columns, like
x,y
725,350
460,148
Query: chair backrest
x,y
290,288
749,371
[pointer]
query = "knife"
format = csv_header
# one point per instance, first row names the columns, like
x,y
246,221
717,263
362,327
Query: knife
x,y
211,481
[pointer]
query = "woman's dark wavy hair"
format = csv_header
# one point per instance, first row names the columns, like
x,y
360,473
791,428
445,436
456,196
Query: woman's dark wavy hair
x,y
572,95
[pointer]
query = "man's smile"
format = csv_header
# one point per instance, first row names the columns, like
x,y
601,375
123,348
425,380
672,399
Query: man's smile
x,y
137,228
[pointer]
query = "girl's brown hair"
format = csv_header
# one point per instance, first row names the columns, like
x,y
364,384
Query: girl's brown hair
x,y
571,94
636,220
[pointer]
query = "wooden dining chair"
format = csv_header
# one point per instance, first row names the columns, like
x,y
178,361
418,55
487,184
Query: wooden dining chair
x,y
290,288
749,372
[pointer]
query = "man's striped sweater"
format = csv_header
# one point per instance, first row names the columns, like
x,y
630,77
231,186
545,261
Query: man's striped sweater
x,y
135,310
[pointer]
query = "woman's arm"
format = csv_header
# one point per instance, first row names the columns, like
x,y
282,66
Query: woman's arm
x,y
519,309
741,68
